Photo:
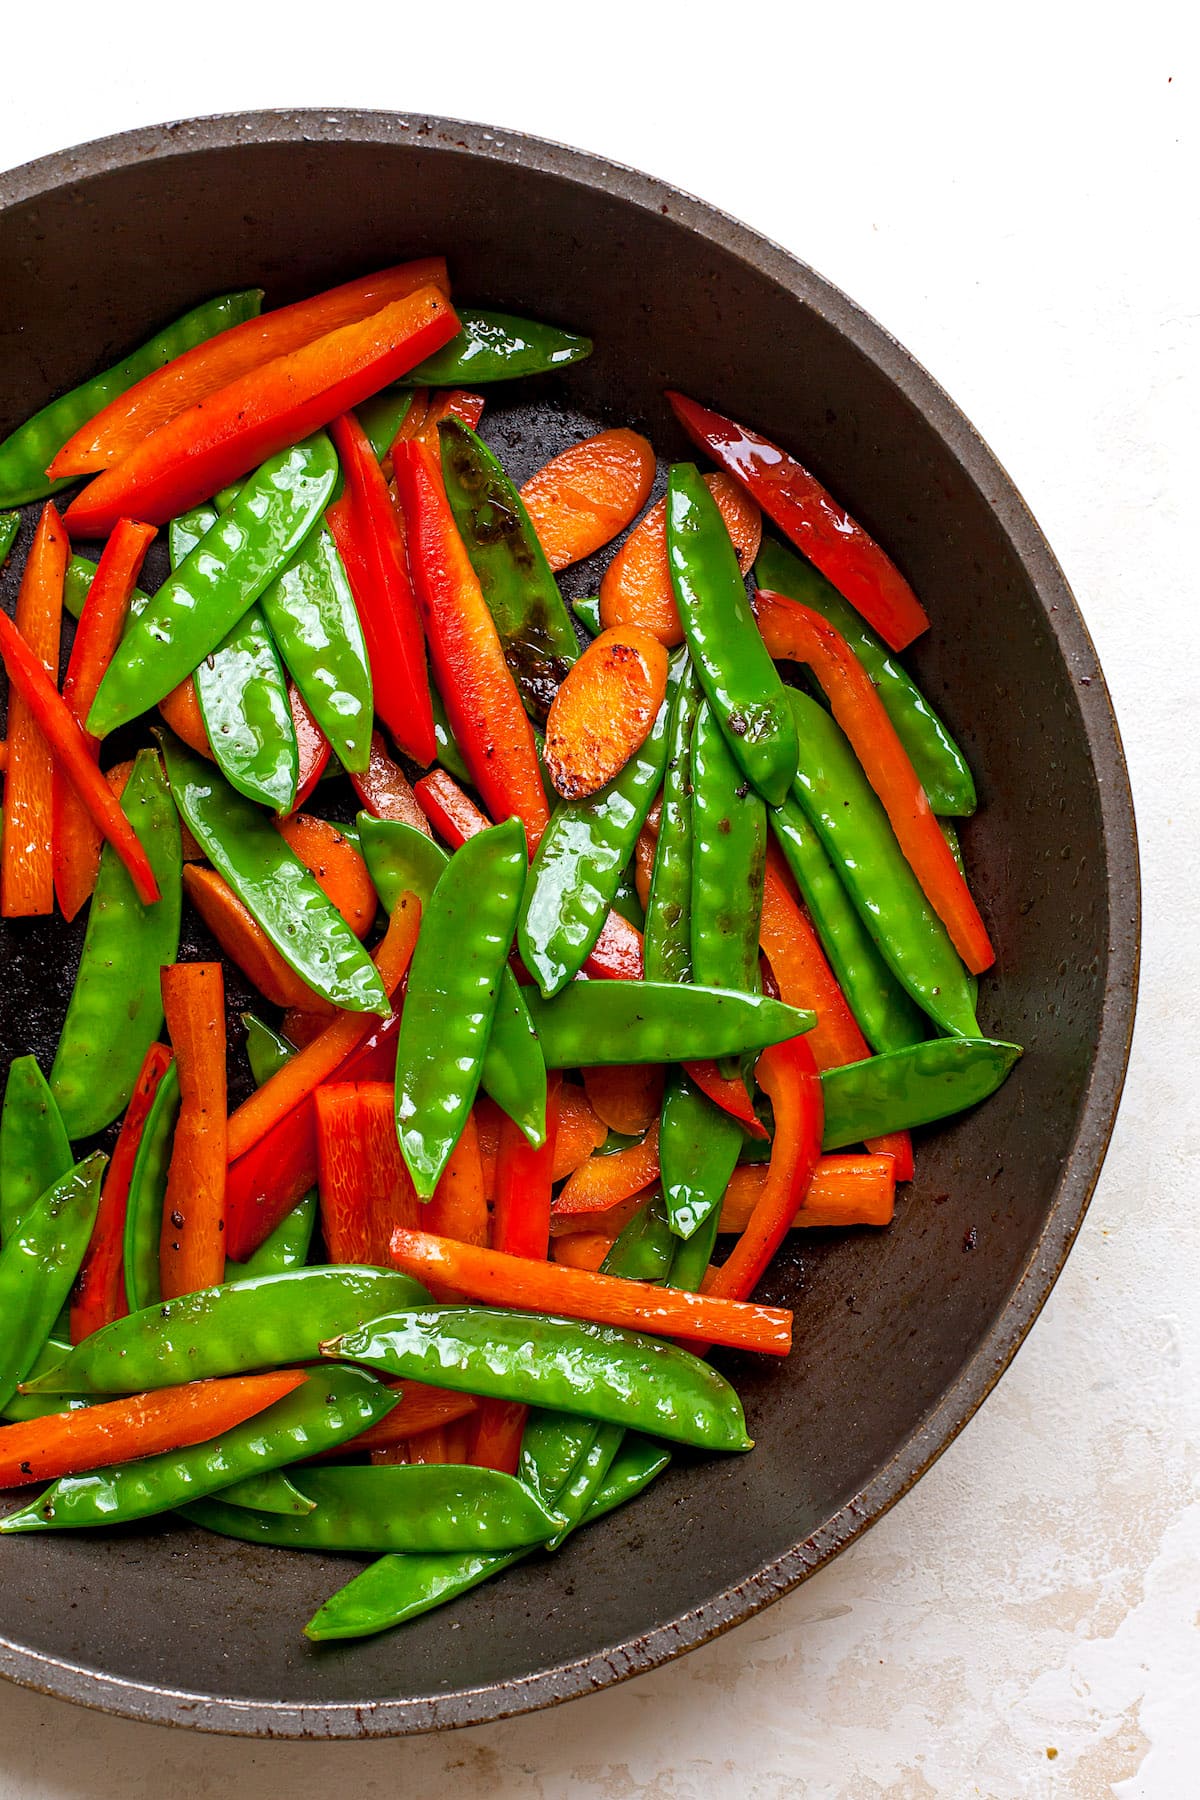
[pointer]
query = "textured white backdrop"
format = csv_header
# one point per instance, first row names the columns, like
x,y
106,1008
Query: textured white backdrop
x,y
1019,206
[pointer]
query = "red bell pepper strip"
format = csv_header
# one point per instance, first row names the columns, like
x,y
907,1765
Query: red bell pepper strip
x,y
520,1226
604,1181
119,1431
76,839
455,404
295,1081
385,790
502,1280
70,749
99,1293
788,1075
482,702
729,1094
164,394
366,1190
191,1249
263,1186
797,632
26,854
845,554
458,1207
366,529
311,744
219,439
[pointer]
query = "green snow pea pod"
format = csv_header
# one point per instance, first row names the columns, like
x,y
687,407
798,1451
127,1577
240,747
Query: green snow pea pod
x,y
635,1466
587,611
115,1012
413,1507
451,996
911,1087
244,704
266,1050
147,1191
729,849
270,1493
552,1445
496,346
618,1377
313,619
625,899
39,1262
583,853
9,526
593,1023
34,1147
81,572
448,753
518,583
382,416
698,1147
398,1588
37,1406
667,947
693,1254
198,605
264,1322
886,1016
940,764
401,858
25,455
736,672
332,1405
585,1481
645,1247
849,819
189,529
272,883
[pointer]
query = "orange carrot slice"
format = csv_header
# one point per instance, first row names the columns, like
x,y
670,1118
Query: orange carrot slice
x,y
191,1252
26,855
603,712
339,870
628,1099
636,589
181,710
845,1190
583,498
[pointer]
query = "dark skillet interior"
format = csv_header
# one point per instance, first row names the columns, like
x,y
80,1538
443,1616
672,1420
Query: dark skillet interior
x,y
901,1333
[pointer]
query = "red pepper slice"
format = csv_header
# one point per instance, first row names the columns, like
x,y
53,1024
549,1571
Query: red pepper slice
x,y
845,554
76,839
70,750
366,529
729,1094
99,1295
366,1191
482,702
220,438
516,1281
385,790
191,1252
793,631
26,852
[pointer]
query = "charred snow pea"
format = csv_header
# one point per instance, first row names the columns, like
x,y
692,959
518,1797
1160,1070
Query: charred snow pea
x,y
597,1022
496,346
273,884
668,938
332,1405
34,1148
115,1012
518,583
739,679
729,848
451,996
911,1087
38,1263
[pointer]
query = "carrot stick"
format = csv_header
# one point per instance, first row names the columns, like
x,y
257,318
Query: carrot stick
x,y
296,1080
425,1447
604,709
583,1249
245,942
516,1281
420,1408
845,1190
488,1122
337,867
628,1099
458,1208
582,499
76,839
603,1180
180,709
636,589
191,1250
27,856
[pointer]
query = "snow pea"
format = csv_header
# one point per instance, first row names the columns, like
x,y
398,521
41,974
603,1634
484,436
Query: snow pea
x,y
698,1147
618,1377
635,1466
34,1147
849,819
25,455
401,858
448,753
940,764
911,1087
625,899
332,1405
382,416
886,1016
451,996
693,1254
198,605
36,1406
81,572
518,583
115,1010
10,524
587,611
312,617
667,946
272,883
414,1507
263,1322
266,1050
594,1023
645,1247
585,1480
38,1263
496,346
584,850
729,848
269,1493
244,704
147,1191
739,679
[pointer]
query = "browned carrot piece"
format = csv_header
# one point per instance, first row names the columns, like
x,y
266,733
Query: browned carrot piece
x,y
191,1252
604,709
582,499
636,589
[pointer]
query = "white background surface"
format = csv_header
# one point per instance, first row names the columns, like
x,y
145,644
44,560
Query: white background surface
x,y
1012,191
